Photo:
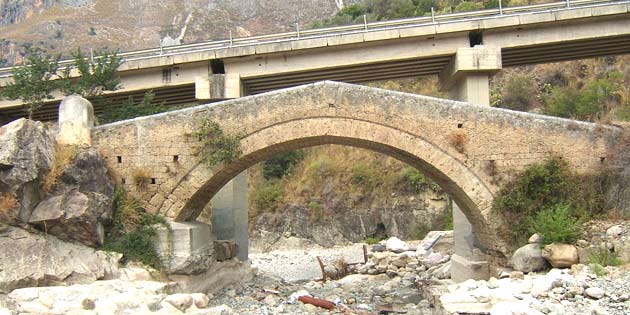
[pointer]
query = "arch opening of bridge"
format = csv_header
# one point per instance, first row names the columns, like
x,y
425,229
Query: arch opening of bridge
x,y
468,192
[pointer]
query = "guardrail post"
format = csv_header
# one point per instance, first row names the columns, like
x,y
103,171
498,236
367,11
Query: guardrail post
x,y
500,8
297,27
568,3
231,39
365,22
432,15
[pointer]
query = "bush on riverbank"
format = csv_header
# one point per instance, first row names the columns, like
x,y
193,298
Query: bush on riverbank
x,y
133,230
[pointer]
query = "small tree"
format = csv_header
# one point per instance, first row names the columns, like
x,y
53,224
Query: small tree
x,y
33,83
96,75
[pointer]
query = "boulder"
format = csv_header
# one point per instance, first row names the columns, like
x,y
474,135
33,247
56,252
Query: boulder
x,y
535,239
396,245
614,231
561,255
27,153
594,293
529,258
80,202
74,216
31,260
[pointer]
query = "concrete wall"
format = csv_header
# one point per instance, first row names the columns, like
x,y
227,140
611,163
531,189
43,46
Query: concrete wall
x,y
421,131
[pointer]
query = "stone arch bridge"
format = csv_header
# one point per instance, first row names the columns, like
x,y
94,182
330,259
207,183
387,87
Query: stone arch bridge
x,y
467,149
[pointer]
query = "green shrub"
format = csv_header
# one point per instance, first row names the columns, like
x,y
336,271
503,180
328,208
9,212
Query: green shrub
x,y
132,109
218,147
372,240
321,168
539,186
416,181
133,230
268,196
598,269
587,104
467,6
547,187
604,257
365,176
556,225
279,165
518,93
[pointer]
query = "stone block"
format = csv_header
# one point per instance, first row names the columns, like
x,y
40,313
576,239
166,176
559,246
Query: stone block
x,y
76,120
185,247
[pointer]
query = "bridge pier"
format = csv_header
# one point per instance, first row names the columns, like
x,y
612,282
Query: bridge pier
x,y
230,214
467,79
219,87
467,76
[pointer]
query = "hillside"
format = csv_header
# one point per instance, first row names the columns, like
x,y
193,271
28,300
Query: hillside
x,y
62,26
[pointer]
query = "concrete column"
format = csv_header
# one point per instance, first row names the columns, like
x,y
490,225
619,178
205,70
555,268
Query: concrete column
x,y
230,214
467,262
76,120
466,78
219,87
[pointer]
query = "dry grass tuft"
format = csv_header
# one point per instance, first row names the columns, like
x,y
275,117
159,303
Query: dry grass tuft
x,y
141,178
64,155
8,202
458,140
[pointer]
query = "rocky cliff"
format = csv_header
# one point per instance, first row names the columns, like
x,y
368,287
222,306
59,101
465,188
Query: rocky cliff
x,y
60,26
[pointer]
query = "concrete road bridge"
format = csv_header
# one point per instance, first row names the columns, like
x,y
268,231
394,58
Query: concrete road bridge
x,y
468,149
463,49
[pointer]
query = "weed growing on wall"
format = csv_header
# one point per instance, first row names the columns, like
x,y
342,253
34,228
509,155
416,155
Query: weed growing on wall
x,y
133,230
218,147
8,202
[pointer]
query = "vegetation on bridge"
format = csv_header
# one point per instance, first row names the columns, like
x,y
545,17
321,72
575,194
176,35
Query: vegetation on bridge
x,y
217,146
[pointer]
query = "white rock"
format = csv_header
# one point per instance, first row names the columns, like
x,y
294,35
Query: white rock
x,y
270,300
535,239
201,300
594,292
513,308
396,245
4,311
217,310
614,231
181,301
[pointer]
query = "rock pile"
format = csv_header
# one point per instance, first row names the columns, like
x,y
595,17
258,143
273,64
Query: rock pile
x,y
410,262
560,291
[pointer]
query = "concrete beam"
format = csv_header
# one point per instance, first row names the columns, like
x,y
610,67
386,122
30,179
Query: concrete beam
x,y
230,214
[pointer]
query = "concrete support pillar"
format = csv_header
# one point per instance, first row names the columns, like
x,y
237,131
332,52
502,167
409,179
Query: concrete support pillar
x,y
76,120
230,214
219,87
466,77
467,262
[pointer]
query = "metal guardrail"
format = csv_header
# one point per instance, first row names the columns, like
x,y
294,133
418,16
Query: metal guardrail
x,y
352,29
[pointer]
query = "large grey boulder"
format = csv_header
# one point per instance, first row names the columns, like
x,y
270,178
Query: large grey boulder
x,y
74,216
80,203
30,260
27,153
529,258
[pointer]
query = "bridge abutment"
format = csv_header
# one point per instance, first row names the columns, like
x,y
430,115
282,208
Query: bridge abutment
x,y
230,214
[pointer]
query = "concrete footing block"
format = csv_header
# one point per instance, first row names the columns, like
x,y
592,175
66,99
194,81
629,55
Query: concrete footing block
x,y
185,247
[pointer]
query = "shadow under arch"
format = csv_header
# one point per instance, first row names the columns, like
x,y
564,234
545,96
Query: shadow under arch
x,y
464,186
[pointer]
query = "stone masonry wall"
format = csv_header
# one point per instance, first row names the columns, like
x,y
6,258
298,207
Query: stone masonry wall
x,y
468,149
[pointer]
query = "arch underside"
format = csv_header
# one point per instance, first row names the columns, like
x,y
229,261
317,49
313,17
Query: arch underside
x,y
460,182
